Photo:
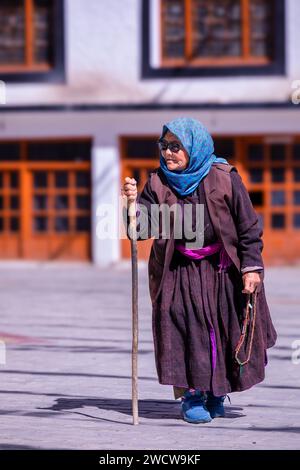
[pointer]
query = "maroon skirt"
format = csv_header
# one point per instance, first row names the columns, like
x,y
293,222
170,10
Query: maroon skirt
x,y
196,325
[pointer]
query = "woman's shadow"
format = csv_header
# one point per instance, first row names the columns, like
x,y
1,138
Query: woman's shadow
x,y
149,409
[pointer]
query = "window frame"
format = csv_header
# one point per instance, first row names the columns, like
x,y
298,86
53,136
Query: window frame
x,y
168,68
40,72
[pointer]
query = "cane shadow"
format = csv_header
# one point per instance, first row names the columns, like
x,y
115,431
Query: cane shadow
x,y
234,412
148,409
5,446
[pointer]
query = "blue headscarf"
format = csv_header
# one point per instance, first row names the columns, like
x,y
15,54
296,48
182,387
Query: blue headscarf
x,y
200,147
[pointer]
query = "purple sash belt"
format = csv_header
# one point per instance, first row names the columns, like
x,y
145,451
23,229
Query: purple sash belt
x,y
201,253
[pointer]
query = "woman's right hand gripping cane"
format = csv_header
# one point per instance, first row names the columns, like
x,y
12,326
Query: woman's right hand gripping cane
x,y
129,189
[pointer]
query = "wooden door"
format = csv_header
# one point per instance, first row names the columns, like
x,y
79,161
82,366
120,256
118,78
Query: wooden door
x,y
45,206
59,213
270,166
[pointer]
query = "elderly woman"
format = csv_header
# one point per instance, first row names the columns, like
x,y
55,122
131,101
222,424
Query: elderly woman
x,y
210,318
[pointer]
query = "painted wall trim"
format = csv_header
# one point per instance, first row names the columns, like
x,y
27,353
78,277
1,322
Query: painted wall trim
x,y
145,107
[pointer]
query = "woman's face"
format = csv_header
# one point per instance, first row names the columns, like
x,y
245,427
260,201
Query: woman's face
x,y
174,160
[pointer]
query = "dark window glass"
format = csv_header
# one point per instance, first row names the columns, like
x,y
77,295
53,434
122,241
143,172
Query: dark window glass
x,y
224,147
297,198
59,151
141,148
42,31
256,175
217,29
61,202
1,202
83,224
297,175
12,32
261,32
40,179
296,220
1,224
61,179
9,151
174,28
256,152
277,152
257,198
296,152
83,179
14,180
61,224
14,202
40,202
278,175
14,224
83,202
40,224
278,221
277,198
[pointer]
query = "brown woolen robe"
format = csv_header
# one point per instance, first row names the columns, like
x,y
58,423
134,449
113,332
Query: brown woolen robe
x,y
191,299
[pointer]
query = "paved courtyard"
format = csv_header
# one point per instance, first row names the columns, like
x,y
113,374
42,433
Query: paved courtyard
x,y
66,383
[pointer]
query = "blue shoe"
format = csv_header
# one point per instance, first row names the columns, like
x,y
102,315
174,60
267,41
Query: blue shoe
x,y
193,409
215,405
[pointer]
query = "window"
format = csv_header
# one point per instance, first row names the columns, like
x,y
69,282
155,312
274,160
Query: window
x,y
278,221
256,175
231,31
224,147
278,198
141,148
212,35
257,198
31,39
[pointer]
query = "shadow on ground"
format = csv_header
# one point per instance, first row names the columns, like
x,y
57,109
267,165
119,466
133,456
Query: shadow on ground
x,y
149,409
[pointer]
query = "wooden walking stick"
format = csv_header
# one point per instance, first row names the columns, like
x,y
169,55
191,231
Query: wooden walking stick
x,y
134,280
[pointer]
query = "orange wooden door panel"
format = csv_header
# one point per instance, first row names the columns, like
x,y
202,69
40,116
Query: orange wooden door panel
x,y
10,209
59,212
270,167
140,170
45,211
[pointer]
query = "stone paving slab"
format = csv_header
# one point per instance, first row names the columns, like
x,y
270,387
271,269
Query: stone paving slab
x,y
66,383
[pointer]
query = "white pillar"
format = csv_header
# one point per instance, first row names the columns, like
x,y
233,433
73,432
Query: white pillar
x,y
105,190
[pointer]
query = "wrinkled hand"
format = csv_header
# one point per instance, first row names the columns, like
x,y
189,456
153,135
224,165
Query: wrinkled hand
x,y
129,188
251,281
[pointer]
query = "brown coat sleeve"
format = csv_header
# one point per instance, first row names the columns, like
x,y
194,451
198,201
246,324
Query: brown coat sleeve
x,y
248,228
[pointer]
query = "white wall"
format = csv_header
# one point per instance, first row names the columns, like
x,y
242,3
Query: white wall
x,y
103,48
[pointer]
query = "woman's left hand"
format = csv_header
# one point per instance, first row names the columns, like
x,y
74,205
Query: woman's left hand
x,y
250,280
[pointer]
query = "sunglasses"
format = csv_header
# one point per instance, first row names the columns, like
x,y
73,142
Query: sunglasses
x,y
164,145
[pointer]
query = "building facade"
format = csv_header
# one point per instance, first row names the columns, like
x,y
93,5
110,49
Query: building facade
x,y
88,87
